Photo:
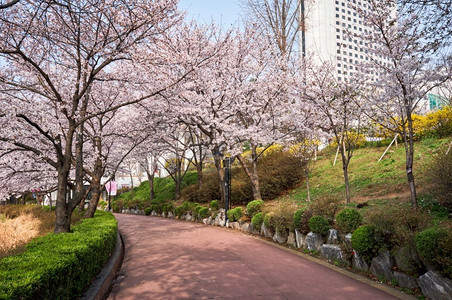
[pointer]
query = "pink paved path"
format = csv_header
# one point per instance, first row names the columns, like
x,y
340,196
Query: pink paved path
x,y
167,259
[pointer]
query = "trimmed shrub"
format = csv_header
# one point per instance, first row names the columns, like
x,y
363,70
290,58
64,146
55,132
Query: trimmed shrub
x,y
215,205
203,212
235,214
434,246
60,266
179,211
254,207
319,224
364,241
147,211
348,220
257,220
167,208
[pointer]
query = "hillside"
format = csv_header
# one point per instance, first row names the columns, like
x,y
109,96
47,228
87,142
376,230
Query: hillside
x,y
370,179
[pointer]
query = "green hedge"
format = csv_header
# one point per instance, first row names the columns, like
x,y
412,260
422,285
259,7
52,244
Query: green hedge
x,y
60,266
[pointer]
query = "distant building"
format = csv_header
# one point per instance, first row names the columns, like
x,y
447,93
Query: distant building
x,y
331,30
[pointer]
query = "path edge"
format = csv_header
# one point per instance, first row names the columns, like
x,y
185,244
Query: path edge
x,y
101,286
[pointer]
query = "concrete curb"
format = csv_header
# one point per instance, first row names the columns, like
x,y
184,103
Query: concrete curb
x,y
100,288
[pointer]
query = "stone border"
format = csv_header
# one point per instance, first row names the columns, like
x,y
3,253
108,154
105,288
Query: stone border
x,y
101,286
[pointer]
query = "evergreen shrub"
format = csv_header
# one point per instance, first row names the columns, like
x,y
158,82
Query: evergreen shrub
x,y
365,242
60,266
215,205
257,220
434,246
235,214
319,224
348,220
254,207
203,212
147,211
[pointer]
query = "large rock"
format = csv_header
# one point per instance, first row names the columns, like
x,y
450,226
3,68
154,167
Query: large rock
x,y
333,253
235,225
435,286
381,266
267,232
253,230
348,239
280,237
246,227
408,261
291,239
333,237
358,263
170,215
300,238
314,241
405,281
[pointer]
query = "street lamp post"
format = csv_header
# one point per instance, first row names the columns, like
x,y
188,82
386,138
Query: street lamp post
x,y
227,185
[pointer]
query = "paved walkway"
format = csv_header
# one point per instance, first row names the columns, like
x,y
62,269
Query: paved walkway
x,y
167,259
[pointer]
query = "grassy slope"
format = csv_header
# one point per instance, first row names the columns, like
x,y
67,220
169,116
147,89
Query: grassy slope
x,y
369,179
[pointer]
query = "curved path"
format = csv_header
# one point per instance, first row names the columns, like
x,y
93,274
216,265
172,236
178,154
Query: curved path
x,y
167,259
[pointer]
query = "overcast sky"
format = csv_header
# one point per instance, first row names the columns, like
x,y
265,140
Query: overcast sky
x,y
223,12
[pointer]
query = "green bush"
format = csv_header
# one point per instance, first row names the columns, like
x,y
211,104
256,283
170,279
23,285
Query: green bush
x,y
348,220
364,241
257,220
397,226
215,205
59,266
297,218
434,246
147,211
235,214
166,208
203,212
179,211
254,207
319,224
268,220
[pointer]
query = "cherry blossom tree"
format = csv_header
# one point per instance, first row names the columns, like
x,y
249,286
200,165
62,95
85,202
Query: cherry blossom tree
x,y
336,107
54,51
403,67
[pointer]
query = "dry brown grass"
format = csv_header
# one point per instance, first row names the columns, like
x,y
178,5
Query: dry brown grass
x,y
15,233
21,223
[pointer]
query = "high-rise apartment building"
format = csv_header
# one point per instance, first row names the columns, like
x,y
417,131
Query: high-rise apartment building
x,y
333,30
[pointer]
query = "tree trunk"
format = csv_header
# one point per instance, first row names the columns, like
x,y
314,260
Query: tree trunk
x,y
220,171
345,162
409,152
199,172
62,218
306,172
151,185
95,196
252,175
